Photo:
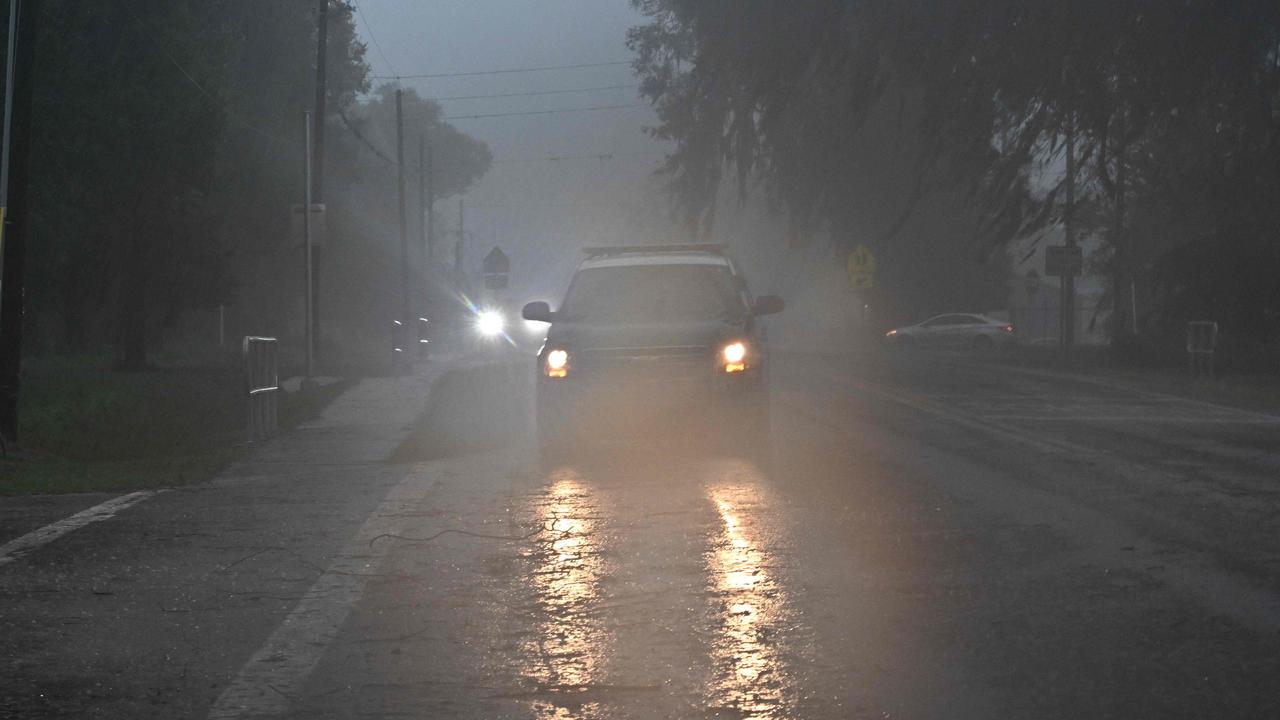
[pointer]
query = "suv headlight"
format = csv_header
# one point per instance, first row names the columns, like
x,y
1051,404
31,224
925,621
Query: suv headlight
x,y
557,363
733,357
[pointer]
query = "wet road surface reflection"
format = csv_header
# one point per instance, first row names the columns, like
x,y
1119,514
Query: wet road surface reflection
x,y
565,655
751,679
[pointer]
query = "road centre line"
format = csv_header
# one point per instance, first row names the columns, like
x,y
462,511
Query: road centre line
x,y
274,675
18,547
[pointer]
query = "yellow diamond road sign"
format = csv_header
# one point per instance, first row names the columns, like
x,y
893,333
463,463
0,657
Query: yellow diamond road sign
x,y
862,268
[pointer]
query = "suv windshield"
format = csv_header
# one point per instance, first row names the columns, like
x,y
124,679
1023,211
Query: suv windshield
x,y
652,293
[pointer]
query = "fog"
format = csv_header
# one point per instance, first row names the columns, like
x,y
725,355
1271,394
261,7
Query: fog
x,y
538,210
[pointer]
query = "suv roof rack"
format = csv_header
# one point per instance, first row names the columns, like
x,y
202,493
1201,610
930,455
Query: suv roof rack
x,y
595,252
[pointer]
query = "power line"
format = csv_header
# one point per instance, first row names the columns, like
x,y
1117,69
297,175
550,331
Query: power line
x,y
583,156
602,157
541,206
214,100
535,93
369,29
364,140
504,71
545,112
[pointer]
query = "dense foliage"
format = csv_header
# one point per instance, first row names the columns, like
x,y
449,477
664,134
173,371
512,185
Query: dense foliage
x,y
856,113
168,152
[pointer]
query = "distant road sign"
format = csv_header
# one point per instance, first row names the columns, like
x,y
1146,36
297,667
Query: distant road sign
x,y
497,269
1063,261
861,266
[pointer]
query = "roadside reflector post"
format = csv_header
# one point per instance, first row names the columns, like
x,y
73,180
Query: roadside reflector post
x,y
424,345
262,386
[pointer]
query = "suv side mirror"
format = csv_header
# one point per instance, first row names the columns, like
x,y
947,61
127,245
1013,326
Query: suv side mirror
x,y
767,305
537,311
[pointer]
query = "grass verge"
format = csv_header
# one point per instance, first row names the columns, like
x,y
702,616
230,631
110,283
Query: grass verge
x,y
85,428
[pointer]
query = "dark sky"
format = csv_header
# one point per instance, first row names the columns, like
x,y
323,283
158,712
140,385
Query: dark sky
x,y
539,210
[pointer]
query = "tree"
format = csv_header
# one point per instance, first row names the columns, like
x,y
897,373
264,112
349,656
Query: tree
x,y
1171,105
123,162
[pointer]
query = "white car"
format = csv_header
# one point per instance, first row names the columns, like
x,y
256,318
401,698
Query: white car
x,y
955,331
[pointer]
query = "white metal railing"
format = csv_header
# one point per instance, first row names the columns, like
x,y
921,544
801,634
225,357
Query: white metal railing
x,y
262,386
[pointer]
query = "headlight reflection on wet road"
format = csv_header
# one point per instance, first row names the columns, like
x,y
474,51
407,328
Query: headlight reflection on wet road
x,y
749,675
565,655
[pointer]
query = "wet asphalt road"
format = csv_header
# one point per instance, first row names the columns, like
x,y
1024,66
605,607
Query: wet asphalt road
x,y
939,537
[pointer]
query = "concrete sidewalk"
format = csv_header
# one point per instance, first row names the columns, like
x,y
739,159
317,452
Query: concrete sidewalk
x,y
149,612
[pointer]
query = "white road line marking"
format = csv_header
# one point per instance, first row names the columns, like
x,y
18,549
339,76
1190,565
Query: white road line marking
x,y
267,684
15,549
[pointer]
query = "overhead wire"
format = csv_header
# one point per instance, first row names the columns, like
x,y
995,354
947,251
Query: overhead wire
x,y
581,156
556,111
535,93
218,103
600,156
377,45
503,71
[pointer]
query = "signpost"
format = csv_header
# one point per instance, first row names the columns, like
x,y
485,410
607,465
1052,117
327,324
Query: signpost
x,y
1063,261
298,225
861,267
497,269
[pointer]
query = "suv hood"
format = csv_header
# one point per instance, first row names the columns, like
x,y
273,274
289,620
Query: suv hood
x,y
590,336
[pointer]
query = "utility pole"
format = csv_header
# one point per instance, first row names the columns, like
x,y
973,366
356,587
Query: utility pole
x,y
406,303
431,203
306,240
15,171
1068,227
422,211
462,236
317,180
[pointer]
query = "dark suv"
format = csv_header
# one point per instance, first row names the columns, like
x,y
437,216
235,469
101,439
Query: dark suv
x,y
658,337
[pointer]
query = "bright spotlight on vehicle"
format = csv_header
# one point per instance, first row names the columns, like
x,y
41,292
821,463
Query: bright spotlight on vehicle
x,y
490,323
734,352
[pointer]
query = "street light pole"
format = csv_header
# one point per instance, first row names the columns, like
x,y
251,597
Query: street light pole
x,y
462,237
20,71
431,202
422,212
306,239
1068,328
406,303
317,181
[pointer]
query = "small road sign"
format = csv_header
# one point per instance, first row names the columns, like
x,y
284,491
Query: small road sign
x,y
861,266
1063,261
497,269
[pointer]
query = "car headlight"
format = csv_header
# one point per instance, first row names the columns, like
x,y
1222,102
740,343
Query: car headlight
x,y
734,357
557,363
490,323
